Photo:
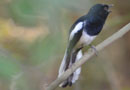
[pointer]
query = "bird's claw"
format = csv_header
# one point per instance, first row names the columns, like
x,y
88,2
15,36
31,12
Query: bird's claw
x,y
94,49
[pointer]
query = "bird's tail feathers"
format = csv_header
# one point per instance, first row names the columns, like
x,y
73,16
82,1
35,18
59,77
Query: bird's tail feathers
x,y
62,66
77,72
71,79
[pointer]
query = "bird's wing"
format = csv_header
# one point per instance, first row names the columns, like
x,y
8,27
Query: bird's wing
x,y
76,32
73,39
75,36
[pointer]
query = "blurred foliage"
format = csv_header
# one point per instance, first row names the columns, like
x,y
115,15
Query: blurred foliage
x,y
33,37
45,50
8,67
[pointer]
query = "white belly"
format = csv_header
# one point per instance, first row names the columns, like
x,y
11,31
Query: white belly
x,y
86,39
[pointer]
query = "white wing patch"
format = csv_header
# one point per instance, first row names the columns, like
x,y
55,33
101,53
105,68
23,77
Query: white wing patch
x,y
78,27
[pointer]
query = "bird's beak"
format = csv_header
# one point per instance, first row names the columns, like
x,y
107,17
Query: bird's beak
x,y
110,6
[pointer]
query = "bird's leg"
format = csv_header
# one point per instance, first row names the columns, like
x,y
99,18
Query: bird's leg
x,y
94,49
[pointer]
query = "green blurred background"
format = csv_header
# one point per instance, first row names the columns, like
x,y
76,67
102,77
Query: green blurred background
x,y
33,38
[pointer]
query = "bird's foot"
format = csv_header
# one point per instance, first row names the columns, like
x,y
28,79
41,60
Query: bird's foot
x,y
94,49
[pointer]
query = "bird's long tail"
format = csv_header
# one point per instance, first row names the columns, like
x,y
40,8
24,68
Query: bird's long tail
x,y
74,76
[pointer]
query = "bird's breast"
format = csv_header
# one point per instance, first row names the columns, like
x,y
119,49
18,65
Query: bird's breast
x,y
85,39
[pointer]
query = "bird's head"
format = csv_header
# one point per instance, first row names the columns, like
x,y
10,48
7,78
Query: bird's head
x,y
100,10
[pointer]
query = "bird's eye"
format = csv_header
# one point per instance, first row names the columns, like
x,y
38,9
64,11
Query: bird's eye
x,y
105,8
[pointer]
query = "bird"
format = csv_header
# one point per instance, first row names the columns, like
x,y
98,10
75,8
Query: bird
x,y
82,33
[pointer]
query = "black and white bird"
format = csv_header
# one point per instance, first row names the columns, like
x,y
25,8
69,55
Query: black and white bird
x,y
82,33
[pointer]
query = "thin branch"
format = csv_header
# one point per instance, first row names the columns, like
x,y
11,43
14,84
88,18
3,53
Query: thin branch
x,y
87,56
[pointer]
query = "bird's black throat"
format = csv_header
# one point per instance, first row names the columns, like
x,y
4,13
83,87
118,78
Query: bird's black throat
x,y
94,25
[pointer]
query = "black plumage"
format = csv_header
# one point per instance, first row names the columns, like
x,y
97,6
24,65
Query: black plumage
x,y
82,33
